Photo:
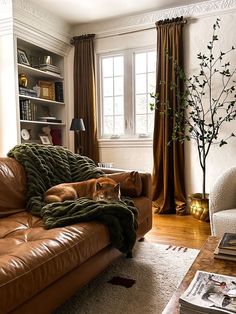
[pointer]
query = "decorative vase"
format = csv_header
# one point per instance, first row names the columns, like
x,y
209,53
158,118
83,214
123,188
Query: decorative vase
x,y
199,206
23,81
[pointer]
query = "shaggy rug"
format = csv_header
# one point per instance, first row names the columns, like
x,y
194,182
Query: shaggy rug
x,y
142,284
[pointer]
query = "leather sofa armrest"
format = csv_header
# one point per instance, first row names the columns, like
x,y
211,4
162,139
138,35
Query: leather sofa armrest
x,y
145,177
147,184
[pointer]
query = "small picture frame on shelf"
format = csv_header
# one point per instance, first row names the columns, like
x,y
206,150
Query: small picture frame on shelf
x,y
22,57
47,90
45,139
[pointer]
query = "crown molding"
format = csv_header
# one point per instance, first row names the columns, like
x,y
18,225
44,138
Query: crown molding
x,y
36,36
32,23
34,17
147,20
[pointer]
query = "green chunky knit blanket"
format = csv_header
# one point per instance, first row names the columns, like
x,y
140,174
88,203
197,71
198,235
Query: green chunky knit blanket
x,y
46,166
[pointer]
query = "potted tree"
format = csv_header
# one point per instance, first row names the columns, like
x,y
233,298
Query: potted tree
x,y
203,110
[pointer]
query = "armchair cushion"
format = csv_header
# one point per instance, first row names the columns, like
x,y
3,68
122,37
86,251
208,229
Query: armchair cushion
x,y
224,220
222,203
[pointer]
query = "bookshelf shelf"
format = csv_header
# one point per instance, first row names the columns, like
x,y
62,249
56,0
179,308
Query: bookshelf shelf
x,y
38,73
41,100
41,94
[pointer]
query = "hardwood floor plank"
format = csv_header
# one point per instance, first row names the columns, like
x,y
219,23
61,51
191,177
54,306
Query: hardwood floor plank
x,y
179,231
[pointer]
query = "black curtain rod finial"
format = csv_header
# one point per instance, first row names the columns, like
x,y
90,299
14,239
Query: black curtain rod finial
x,y
175,20
81,38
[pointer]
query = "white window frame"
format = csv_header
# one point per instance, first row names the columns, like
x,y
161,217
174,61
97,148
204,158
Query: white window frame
x,y
129,94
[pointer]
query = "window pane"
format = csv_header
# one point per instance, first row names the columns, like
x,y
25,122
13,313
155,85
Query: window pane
x,y
108,87
119,105
118,86
119,125
107,67
151,82
108,125
141,124
151,61
118,66
140,62
144,85
150,123
108,106
141,104
140,84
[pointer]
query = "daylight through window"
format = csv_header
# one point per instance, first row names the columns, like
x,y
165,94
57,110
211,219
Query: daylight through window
x,y
126,81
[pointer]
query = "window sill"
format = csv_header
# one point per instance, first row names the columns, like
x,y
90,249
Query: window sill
x,y
109,143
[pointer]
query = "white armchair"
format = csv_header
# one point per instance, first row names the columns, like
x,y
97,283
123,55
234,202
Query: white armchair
x,y
222,204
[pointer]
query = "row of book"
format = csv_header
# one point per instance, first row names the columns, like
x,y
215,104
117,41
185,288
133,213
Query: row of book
x,y
28,110
59,96
211,292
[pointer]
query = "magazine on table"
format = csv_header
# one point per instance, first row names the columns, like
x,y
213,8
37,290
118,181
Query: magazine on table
x,y
209,293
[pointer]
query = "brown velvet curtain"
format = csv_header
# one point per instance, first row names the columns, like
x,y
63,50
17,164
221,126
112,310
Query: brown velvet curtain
x,y
168,171
85,94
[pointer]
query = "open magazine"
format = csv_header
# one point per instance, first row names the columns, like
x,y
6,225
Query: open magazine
x,y
209,293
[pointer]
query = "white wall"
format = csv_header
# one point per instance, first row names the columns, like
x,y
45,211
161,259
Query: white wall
x,y
8,111
196,35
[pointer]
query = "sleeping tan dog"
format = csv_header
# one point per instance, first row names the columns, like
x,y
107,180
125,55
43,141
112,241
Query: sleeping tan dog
x,y
101,189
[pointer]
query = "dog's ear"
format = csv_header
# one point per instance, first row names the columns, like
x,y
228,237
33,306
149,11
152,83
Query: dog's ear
x,y
117,187
98,186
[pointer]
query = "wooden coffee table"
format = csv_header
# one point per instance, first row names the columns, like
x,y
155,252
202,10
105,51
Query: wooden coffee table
x,y
204,261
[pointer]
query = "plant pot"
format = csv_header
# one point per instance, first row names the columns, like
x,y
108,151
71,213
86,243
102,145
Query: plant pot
x,y
199,206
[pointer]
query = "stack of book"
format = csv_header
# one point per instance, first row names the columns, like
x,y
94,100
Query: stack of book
x,y
226,248
49,119
27,92
50,68
209,293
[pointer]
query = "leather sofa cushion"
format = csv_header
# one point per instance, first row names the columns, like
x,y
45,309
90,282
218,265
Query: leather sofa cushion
x,y
12,187
130,183
31,258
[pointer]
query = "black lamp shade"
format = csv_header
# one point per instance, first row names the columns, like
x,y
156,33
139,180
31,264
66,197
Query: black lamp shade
x,y
77,124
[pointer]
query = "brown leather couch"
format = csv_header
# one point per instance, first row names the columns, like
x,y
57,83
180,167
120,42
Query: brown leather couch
x,y
39,268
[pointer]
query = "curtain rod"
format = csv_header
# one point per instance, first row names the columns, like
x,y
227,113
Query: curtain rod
x,y
134,31
126,33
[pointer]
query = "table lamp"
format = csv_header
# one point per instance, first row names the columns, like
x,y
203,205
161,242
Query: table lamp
x,y
77,125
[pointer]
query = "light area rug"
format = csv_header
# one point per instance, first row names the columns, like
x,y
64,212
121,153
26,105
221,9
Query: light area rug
x,y
157,270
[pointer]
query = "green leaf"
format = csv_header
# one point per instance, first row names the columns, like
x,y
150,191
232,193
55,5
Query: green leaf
x,y
222,142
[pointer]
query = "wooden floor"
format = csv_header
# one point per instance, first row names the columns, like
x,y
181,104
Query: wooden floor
x,y
183,231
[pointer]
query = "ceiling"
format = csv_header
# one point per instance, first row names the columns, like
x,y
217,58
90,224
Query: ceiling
x,y
87,11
